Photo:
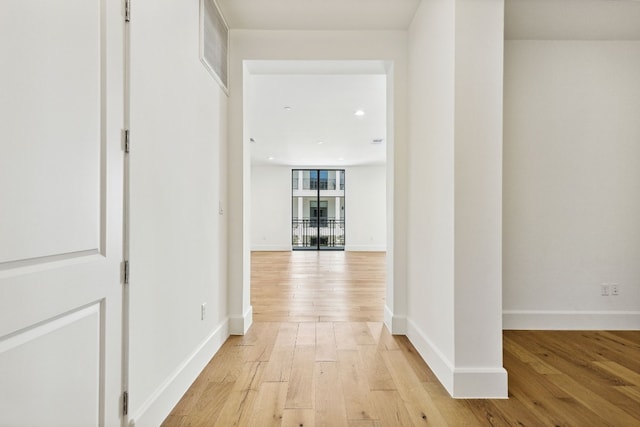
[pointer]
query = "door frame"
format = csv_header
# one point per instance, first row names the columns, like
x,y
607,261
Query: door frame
x,y
248,53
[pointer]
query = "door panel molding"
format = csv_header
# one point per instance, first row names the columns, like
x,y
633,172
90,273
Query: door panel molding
x,y
32,359
48,326
32,265
54,124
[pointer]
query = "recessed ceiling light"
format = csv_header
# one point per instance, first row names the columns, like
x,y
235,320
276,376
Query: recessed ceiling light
x,y
287,108
341,158
271,158
252,140
320,142
359,113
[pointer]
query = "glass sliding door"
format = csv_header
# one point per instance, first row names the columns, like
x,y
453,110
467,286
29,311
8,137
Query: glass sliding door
x,y
317,209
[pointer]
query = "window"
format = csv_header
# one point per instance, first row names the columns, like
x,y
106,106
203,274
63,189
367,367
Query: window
x,y
317,209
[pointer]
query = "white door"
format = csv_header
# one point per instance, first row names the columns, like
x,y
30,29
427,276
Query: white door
x,y
61,98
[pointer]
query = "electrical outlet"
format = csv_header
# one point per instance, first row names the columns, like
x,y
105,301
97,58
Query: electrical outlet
x,y
604,290
615,289
203,311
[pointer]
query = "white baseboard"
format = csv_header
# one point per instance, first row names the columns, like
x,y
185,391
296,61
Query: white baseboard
x,y
271,248
240,325
156,408
397,325
460,382
365,248
480,383
570,320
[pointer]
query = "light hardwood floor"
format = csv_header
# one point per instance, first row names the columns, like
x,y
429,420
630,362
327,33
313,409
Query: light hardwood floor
x,y
313,286
318,355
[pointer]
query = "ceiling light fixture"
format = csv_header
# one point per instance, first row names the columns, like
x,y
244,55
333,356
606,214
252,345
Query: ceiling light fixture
x,y
359,113
271,158
252,140
287,108
320,142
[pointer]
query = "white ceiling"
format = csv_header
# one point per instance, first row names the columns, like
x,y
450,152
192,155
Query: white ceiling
x,y
524,19
323,105
307,119
319,14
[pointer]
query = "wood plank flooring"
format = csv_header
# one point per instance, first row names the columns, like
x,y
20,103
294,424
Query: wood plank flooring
x,y
311,286
319,355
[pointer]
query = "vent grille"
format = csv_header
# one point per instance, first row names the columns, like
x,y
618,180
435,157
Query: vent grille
x,y
214,41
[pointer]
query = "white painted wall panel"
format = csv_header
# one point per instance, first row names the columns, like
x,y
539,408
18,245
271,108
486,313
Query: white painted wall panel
x,y
431,177
178,125
366,208
455,154
271,208
479,56
571,184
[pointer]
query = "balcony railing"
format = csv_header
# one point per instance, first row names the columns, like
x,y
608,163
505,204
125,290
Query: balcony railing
x,y
315,184
308,233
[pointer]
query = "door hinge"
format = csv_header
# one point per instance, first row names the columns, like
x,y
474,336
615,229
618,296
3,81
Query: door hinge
x,y
126,136
125,403
127,10
125,272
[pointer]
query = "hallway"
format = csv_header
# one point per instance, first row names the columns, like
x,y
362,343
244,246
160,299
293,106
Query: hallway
x,y
319,355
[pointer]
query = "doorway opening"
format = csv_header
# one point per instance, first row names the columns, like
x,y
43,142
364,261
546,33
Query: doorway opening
x,y
317,209
316,115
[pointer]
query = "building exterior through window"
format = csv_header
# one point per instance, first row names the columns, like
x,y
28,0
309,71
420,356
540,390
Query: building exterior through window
x,y
317,209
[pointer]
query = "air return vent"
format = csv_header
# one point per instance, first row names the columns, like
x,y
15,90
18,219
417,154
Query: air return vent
x,y
214,41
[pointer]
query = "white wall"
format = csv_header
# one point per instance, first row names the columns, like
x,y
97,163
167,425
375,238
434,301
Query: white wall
x,y
431,179
270,208
365,208
571,184
478,198
454,243
178,128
